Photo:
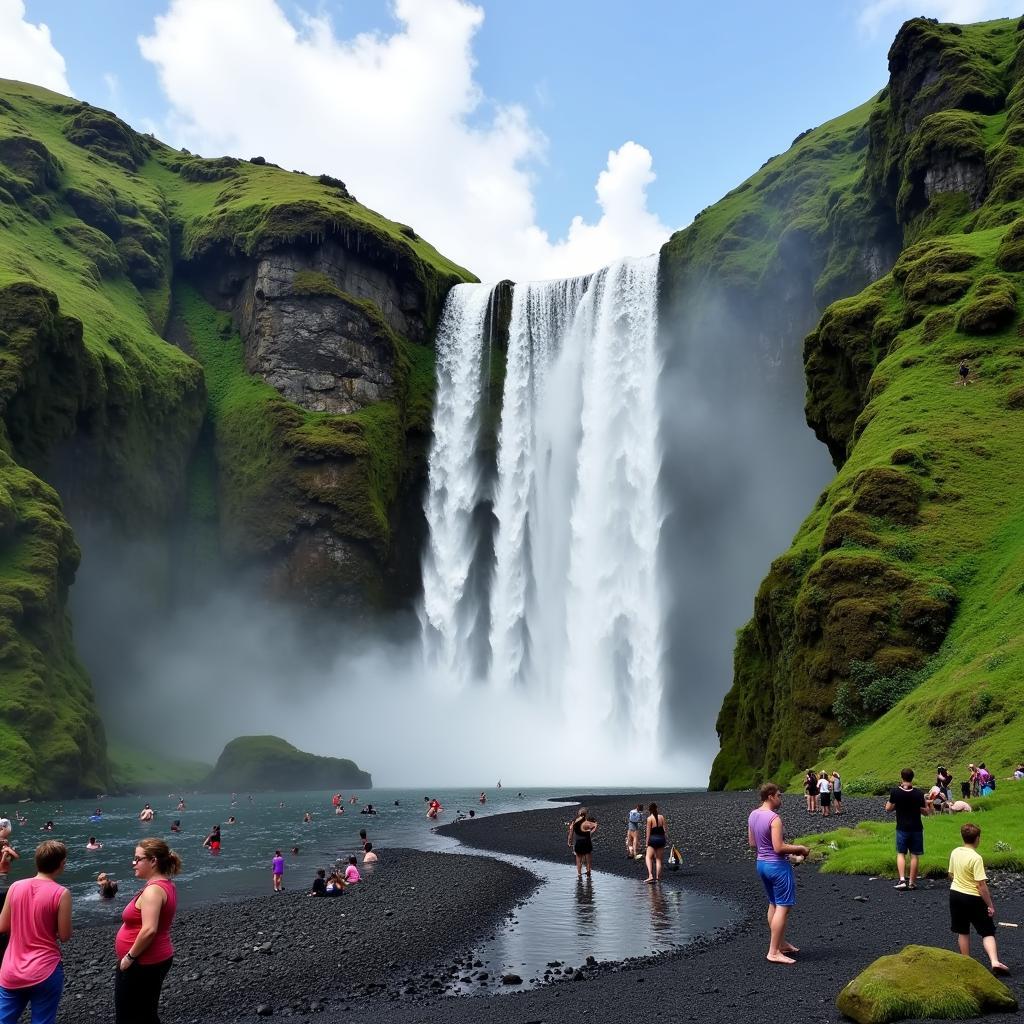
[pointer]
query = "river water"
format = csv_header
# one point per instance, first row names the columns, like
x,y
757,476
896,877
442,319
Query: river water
x,y
607,917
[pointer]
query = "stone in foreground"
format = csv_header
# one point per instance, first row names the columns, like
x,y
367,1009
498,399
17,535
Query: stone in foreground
x,y
922,982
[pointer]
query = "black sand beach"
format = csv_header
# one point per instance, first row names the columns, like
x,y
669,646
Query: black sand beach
x,y
406,930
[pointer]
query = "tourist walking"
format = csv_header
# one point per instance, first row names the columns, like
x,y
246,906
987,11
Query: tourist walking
x,y
37,916
970,900
909,804
580,840
143,943
824,794
764,834
657,839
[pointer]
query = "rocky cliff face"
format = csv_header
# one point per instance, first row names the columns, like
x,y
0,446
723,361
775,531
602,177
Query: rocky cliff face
x,y
217,345
865,649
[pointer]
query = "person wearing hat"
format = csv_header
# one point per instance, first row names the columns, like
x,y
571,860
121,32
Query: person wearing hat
x,y
975,778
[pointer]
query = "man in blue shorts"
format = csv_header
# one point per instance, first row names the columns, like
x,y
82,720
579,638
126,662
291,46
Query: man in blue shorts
x,y
764,833
909,804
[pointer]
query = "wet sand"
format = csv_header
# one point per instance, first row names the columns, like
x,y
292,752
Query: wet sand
x,y
404,936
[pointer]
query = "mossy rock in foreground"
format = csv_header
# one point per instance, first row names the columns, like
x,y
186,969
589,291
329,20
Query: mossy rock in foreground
x,y
922,982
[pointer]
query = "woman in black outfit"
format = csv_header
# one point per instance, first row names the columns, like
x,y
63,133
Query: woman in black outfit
x,y
657,838
580,842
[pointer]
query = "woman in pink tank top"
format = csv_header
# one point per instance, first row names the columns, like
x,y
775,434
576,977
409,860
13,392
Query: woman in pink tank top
x,y
143,944
37,913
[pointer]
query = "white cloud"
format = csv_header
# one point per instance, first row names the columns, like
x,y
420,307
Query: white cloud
x,y
113,84
876,12
26,51
400,118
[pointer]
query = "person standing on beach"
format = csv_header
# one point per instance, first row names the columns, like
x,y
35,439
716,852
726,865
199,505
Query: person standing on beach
x,y
811,789
764,834
970,901
824,794
37,916
909,804
580,841
657,838
143,943
636,816
837,792
277,870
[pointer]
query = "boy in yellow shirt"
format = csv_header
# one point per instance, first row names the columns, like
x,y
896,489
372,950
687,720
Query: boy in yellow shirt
x,y
970,901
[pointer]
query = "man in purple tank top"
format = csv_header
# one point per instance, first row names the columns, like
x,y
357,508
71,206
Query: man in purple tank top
x,y
764,833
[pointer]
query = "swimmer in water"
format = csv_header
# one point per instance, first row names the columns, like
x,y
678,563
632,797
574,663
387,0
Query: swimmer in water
x,y
483,798
307,818
93,844
106,885
176,825
146,814
232,820
181,804
213,839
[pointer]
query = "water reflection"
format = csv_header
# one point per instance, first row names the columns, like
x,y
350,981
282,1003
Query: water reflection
x,y
570,922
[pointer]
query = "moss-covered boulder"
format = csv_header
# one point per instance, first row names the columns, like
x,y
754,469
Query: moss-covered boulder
x,y
268,762
923,983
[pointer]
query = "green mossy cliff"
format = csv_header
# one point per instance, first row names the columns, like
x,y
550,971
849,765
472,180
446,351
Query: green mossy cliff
x,y
890,631
253,763
144,296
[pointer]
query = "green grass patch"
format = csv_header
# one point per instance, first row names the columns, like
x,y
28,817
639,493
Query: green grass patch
x,y
869,847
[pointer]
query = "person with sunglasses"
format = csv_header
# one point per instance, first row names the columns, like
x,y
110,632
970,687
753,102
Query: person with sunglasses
x,y
143,944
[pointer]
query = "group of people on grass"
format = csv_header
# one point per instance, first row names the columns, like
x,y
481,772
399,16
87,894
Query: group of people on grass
x,y
970,899
823,790
36,919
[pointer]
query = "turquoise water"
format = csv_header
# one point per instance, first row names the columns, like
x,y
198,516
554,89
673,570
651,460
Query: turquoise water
x,y
265,822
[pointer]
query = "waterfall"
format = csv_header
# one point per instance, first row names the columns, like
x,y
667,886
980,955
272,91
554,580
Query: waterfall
x,y
448,614
574,608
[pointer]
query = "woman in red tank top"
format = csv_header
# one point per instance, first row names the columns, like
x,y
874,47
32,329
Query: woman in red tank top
x,y
143,944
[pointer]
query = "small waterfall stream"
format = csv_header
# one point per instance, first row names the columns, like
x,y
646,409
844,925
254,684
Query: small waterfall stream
x,y
573,603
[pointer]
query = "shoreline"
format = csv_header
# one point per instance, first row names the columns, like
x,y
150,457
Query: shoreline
x,y
394,954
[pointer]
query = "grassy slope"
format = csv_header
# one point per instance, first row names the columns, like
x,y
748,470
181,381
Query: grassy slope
x,y
136,770
95,222
923,522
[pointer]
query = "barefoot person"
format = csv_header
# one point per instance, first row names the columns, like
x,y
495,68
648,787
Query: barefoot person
x,y
970,901
579,840
143,944
277,870
37,914
657,838
636,816
764,833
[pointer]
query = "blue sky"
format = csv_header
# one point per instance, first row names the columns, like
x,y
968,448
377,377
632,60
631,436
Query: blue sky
x,y
539,94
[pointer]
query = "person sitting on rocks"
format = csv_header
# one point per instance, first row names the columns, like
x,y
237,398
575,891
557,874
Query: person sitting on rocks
x,y
335,884
319,887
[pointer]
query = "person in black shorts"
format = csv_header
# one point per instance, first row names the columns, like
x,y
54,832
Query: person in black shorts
x,y
970,900
909,804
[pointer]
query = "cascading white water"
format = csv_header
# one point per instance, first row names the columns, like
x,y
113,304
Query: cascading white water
x,y
574,602
447,617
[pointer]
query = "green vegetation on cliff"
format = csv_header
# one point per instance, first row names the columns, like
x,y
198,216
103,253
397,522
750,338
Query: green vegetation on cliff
x,y
267,762
889,633
140,771
102,232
